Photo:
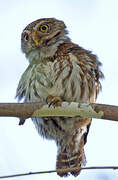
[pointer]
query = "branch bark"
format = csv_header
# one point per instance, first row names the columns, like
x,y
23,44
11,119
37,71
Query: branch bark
x,y
26,110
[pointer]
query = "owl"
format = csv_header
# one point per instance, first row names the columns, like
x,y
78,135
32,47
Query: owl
x,y
59,70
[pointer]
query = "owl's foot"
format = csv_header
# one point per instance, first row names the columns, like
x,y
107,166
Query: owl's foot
x,y
53,100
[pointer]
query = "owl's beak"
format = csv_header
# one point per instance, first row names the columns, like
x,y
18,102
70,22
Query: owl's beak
x,y
33,36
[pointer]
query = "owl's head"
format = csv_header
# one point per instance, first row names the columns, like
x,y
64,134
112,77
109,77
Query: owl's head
x,y
43,33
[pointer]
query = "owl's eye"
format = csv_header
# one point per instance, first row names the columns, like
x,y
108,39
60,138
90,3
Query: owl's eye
x,y
26,37
43,28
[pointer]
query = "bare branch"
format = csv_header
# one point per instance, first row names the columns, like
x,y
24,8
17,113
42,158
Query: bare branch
x,y
53,171
26,110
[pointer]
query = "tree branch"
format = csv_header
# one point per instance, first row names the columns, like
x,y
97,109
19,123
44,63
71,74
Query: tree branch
x,y
53,171
26,110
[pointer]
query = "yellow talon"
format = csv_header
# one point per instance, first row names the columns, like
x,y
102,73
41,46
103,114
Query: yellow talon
x,y
53,100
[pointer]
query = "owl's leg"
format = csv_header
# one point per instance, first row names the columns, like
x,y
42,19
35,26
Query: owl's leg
x,y
53,100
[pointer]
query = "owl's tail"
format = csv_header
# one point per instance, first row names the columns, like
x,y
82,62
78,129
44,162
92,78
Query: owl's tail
x,y
70,162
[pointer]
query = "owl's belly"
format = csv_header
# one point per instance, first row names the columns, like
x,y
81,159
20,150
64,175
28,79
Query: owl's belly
x,y
55,127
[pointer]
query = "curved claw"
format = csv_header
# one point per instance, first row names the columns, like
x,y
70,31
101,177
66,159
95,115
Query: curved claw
x,y
53,100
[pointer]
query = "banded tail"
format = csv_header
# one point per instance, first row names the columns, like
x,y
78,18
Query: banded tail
x,y
66,162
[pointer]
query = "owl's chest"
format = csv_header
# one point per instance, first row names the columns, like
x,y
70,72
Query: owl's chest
x,y
40,81
46,79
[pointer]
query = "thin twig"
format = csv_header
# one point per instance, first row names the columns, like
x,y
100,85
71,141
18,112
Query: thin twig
x,y
53,171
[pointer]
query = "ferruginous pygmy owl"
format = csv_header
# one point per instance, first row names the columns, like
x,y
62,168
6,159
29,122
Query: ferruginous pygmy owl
x,y
59,69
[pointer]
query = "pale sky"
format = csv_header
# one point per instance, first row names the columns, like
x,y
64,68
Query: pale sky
x,y
93,24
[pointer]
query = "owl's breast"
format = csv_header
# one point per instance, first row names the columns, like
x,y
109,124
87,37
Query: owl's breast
x,y
35,83
41,81
63,77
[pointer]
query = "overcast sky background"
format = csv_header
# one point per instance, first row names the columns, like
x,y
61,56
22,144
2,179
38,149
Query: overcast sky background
x,y
93,24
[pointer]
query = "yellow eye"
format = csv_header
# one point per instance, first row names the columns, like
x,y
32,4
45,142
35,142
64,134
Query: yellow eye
x,y
43,28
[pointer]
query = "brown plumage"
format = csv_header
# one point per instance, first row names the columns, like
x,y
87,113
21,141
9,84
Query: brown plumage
x,y
59,69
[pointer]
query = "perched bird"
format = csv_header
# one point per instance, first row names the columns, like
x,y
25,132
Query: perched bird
x,y
59,70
